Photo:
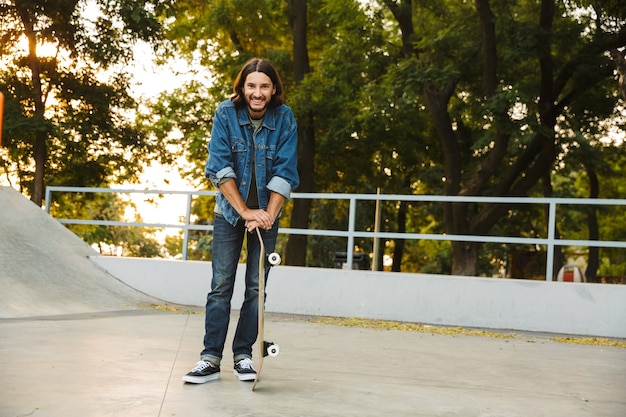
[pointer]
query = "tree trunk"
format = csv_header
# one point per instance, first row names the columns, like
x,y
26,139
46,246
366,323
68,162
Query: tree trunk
x,y
40,167
40,149
591,273
529,167
295,253
465,258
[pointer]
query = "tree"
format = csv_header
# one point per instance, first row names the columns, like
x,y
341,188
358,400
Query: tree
x,y
110,240
594,172
415,97
500,82
64,124
297,246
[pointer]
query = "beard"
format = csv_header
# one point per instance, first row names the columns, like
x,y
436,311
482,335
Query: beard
x,y
258,110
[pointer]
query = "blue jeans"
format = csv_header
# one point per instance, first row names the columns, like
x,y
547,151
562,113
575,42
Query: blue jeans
x,y
227,245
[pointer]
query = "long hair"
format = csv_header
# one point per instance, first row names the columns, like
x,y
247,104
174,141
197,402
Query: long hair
x,y
260,65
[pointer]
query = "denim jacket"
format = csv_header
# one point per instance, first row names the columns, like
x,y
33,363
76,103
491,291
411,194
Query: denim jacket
x,y
230,154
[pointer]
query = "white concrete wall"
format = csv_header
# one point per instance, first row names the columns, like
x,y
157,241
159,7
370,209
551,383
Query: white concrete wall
x,y
556,307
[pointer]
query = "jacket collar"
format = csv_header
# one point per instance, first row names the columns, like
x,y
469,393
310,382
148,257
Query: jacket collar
x,y
269,120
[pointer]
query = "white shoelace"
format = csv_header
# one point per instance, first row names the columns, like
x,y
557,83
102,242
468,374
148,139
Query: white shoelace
x,y
245,364
201,366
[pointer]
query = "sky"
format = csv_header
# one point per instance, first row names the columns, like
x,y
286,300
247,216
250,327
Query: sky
x,y
149,81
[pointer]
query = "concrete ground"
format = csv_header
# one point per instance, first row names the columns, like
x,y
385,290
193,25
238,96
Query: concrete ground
x,y
130,363
75,341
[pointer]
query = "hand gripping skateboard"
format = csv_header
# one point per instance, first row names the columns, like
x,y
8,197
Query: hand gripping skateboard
x,y
265,348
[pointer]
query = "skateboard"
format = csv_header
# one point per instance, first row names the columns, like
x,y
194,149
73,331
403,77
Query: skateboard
x,y
265,348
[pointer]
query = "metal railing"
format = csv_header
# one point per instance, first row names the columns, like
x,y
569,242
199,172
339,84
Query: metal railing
x,y
351,233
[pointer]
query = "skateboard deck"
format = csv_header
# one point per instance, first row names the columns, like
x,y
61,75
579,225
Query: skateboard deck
x,y
265,348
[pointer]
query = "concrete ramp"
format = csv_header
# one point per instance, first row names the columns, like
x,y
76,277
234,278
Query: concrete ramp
x,y
45,269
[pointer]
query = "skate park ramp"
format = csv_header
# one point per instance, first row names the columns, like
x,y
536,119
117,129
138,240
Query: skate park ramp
x,y
45,269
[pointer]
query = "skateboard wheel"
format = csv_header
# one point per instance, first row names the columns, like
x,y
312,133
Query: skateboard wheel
x,y
274,258
273,350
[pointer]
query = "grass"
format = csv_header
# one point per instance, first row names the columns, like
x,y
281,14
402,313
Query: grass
x,y
424,328
458,331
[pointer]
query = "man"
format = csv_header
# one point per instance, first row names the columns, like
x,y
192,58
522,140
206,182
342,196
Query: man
x,y
253,163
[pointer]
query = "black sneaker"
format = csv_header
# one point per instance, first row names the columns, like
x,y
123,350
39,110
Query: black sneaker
x,y
244,370
204,371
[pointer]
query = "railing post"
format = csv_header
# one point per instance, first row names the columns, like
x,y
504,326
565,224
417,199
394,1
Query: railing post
x,y
186,229
48,193
551,235
376,247
351,222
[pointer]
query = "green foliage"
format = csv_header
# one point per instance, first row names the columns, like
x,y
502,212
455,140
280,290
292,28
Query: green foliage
x,y
67,121
110,240
183,116
365,91
609,162
173,245
371,69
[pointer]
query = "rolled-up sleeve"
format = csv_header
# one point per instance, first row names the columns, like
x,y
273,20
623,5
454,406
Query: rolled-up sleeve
x,y
222,175
280,186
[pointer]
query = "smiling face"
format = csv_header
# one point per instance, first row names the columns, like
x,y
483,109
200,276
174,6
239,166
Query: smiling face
x,y
258,90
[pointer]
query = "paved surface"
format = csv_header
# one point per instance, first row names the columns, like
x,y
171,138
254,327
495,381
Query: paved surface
x,y
75,342
130,363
